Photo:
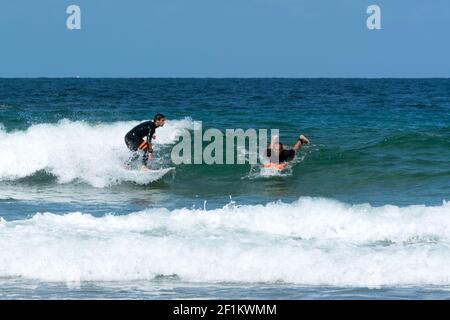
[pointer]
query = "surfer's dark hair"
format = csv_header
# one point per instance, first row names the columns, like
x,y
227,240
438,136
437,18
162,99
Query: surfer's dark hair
x,y
158,116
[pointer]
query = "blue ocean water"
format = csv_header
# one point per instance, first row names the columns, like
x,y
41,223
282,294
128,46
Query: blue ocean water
x,y
362,213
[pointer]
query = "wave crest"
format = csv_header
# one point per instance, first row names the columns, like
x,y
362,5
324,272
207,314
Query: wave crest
x,y
74,150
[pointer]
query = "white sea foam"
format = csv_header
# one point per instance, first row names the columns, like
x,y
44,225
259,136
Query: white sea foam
x,y
92,153
309,242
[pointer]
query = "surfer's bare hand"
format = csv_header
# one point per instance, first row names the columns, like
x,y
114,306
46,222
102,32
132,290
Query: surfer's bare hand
x,y
304,139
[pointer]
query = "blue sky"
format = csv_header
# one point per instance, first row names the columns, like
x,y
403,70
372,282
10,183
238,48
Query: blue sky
x,y
225,38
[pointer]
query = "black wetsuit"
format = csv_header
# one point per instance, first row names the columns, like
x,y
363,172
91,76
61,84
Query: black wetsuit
x,y
284,155
134,139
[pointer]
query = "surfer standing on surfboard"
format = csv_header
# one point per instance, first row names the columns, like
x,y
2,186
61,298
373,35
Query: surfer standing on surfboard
x,y
276,151
135,141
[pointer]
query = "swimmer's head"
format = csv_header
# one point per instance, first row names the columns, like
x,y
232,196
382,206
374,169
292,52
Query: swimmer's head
x,y
278,147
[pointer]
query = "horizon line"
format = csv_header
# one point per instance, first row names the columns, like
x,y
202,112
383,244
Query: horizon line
x,y
219,78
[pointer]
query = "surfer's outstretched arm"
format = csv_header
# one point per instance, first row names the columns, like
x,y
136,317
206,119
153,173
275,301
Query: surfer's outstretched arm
x,y
301,140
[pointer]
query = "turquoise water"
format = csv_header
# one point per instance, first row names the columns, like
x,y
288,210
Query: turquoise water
x,y
361,213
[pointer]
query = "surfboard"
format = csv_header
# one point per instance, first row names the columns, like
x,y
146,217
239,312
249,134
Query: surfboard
x,y
274,166
147,176
275,170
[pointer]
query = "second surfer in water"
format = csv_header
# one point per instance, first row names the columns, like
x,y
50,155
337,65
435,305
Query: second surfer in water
x,y
135,139
279,157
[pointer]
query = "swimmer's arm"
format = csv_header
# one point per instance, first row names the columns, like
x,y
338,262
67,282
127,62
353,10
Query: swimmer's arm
x,y
301,140
297,145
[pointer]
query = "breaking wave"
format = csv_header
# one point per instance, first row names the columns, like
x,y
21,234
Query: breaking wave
x,y
312,241
75,151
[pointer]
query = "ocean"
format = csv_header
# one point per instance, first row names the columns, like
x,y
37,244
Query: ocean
x,y
361,214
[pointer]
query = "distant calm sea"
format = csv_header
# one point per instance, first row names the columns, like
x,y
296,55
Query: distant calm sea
x,y
361,214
